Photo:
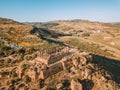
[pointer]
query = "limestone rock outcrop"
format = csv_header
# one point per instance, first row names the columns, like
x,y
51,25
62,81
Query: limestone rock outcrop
x,y
76,85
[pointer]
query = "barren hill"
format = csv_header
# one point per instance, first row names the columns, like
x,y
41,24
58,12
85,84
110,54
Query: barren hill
x,y
77,25
105,35
59,55
18,33
7,21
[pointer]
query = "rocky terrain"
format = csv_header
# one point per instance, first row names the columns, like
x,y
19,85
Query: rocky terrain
x,y
104,35
59,55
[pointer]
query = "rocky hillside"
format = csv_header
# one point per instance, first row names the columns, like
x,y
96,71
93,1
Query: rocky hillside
x,y
19,34
76,25
79,71
7,21
104,35
59,55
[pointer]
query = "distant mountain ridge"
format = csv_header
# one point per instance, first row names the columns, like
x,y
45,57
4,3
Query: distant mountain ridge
x,y
8,21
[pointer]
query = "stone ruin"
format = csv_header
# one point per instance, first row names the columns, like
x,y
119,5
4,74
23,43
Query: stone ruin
x,y
53,55
54,60
48,63
79,64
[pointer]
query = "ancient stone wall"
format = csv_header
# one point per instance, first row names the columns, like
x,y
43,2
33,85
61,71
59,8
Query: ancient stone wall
x,y
51,58
51,70
42,60
57,58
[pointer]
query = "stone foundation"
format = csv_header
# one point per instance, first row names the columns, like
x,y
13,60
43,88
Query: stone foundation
x,y
51,70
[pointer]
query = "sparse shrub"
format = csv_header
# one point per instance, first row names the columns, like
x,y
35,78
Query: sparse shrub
x,y
11,52
21,85
14,81
41,83
8,82
2,53
10,30
12,87
5,48
20,57
4,73
28,57
66,83
13,74
27,79
86,34
24,67
21,51
7,61
34,55
30,50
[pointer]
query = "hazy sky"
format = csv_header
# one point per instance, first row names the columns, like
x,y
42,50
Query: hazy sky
x,y
47,10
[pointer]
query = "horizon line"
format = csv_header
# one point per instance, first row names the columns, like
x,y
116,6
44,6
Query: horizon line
x,y
45,21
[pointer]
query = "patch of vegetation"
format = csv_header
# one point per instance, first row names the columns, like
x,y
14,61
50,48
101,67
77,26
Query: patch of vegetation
x,y
6,51
84,46
24,67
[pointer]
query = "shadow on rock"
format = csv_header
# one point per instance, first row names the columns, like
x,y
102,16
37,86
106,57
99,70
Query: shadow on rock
x,y
87,84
